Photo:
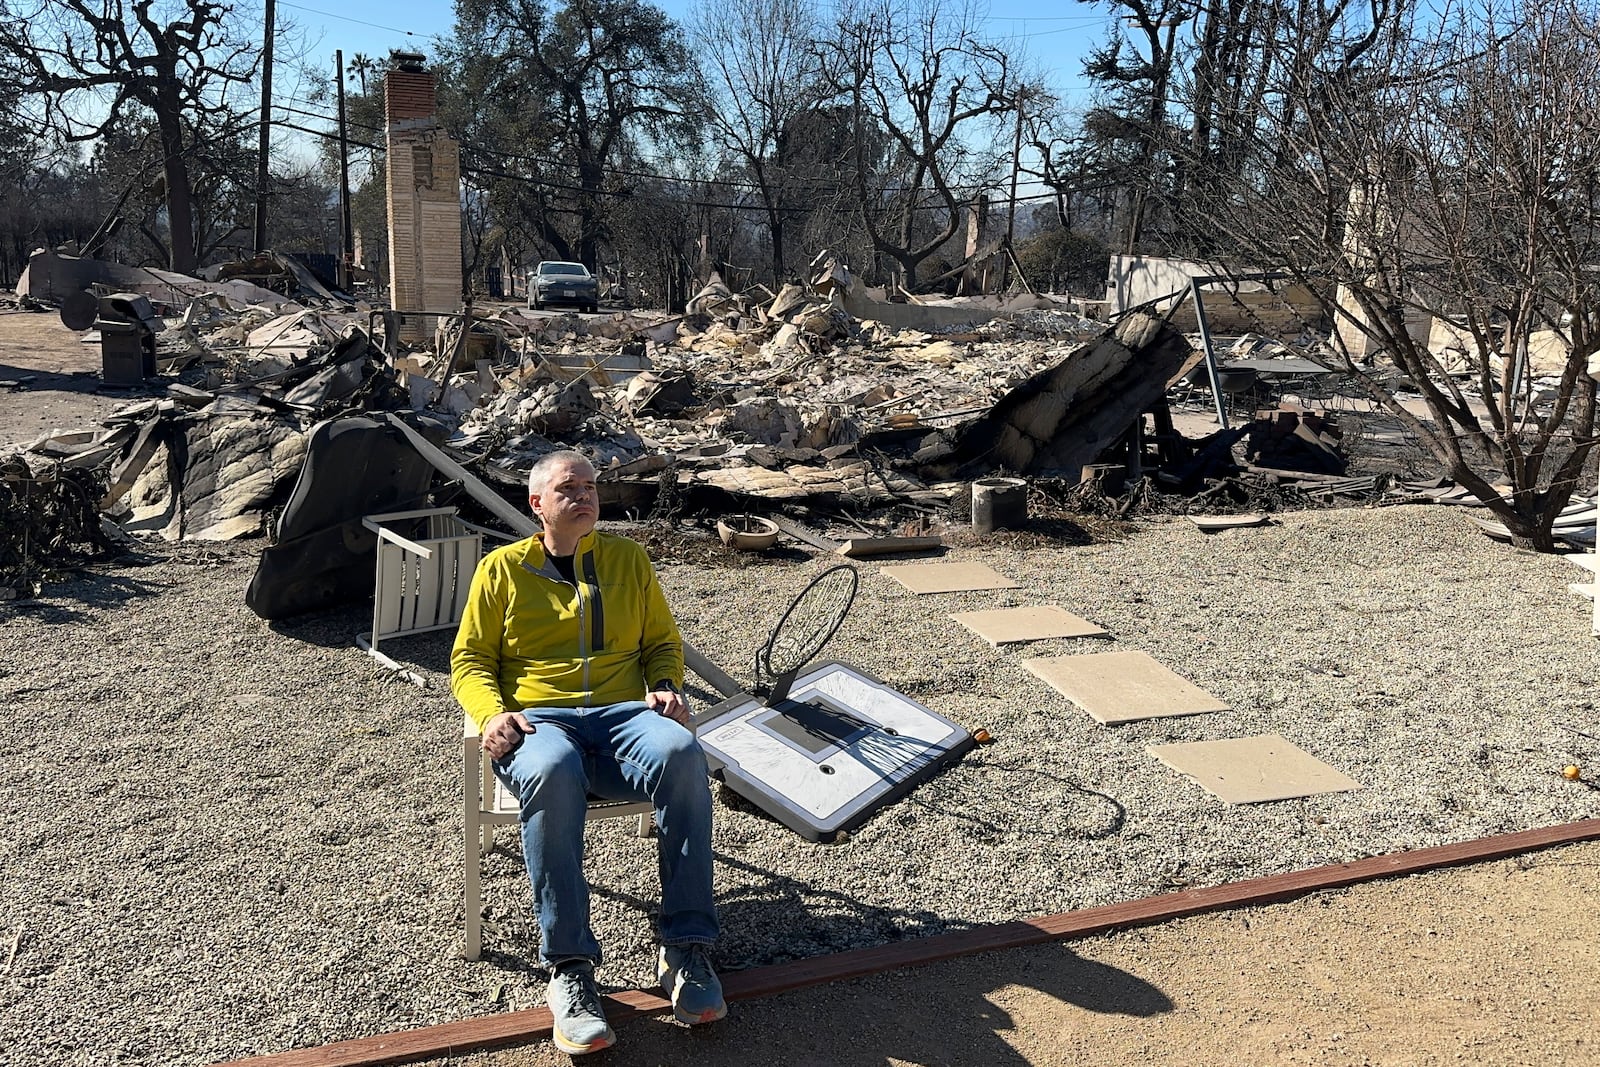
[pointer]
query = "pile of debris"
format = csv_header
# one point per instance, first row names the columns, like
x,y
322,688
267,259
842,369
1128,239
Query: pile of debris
x,y
1301,441
828,394
49,521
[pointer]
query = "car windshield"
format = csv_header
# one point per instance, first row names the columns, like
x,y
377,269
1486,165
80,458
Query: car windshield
x,y
575,269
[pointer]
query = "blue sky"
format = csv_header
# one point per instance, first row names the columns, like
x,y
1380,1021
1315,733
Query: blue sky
x,y
1055,34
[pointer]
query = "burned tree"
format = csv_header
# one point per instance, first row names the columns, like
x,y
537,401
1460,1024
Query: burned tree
x,y
86,68
763,72
1443,199
920,72
1181,88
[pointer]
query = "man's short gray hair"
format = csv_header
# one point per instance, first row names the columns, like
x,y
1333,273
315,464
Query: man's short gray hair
x,y
540,474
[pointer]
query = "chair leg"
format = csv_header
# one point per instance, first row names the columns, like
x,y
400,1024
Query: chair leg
x,y
473,905
645,825
472,895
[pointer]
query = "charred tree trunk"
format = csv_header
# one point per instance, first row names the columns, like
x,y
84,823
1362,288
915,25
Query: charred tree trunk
x,y
180,192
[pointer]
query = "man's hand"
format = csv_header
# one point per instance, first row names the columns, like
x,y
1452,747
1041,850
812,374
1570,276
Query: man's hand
x,y
670,703
503,733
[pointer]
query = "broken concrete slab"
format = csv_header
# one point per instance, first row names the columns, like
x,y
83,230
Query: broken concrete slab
x,y
851,480
1066,415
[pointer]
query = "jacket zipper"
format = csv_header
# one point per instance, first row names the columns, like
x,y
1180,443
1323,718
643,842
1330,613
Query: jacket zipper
x,y
583,622
583,633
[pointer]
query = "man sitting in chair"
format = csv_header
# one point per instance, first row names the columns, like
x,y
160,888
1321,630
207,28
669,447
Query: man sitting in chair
x,y
569,660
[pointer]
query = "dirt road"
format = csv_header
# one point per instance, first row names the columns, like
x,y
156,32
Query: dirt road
x,y
49,379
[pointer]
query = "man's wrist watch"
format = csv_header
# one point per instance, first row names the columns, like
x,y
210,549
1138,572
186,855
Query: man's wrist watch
x,y
665,685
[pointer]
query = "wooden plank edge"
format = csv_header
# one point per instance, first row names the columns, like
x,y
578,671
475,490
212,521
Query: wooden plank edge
x,y
510,1028
805,534
865,547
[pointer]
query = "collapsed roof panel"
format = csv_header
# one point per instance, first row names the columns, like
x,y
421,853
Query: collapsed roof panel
x,y
1067,414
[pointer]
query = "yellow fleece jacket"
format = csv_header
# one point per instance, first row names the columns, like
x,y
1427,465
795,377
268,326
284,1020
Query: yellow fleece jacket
x,y
529,639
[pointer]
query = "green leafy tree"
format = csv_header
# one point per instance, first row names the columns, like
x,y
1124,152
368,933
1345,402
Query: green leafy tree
x,y
1059,260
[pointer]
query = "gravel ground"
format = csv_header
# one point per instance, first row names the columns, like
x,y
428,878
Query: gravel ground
x,y
224,838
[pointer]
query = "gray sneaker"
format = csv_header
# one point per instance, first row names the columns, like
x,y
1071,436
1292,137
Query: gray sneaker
x,y
686,976
578,1021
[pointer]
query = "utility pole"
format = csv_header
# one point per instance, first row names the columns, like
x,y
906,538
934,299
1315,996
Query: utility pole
x,y
346,230
1011,210
266,130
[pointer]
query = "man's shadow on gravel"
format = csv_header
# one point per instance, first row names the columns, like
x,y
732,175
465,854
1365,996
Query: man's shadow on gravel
x,y
772,918
778,918
952,1013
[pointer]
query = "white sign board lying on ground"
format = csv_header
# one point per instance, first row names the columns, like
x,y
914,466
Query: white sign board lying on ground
x,y
838,748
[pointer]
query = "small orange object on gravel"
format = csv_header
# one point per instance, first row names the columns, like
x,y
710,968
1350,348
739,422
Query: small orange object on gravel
x,y
1572,772
982,736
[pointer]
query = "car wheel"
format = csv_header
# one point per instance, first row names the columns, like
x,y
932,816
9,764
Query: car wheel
x,y
594,309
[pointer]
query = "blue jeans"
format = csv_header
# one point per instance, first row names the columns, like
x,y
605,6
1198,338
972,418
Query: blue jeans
x,y
621,752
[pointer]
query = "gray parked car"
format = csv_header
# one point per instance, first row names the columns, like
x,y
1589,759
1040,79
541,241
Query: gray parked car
x,y
568,284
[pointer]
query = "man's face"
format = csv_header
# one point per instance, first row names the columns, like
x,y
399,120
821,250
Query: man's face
x,y
570,501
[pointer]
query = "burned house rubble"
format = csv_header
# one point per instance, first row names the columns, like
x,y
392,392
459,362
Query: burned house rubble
x,y
827,395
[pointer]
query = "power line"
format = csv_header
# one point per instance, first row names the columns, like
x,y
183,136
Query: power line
x,y
626,194
1041,33
358,22
327,118
616,171
1081,19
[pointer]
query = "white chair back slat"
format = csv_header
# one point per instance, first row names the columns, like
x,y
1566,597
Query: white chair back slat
x,y
390,594
466,564
420,584
425,615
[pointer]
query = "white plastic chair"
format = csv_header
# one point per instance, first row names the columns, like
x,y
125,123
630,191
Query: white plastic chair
x,y
487,804
421,582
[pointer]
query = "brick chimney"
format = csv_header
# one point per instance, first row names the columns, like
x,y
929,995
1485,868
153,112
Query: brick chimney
x,y
424,187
